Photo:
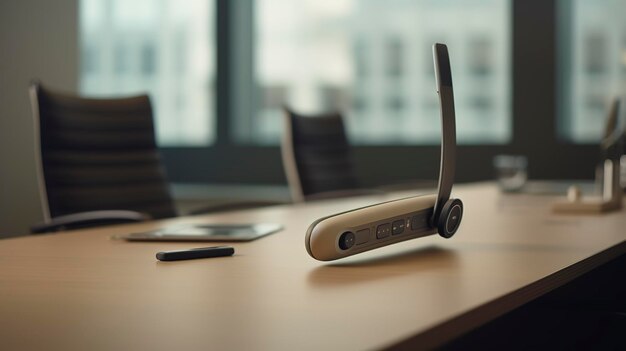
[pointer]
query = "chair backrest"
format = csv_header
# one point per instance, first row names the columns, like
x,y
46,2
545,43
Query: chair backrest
x,y
97,154
316,155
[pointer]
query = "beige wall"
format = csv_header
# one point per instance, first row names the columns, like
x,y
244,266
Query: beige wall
x,y
38,39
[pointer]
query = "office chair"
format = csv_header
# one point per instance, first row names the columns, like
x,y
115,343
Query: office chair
x,y
98,162
317,157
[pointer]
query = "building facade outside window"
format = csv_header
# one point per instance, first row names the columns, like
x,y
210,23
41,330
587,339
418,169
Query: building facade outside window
x,y
165,48
376,56
593,65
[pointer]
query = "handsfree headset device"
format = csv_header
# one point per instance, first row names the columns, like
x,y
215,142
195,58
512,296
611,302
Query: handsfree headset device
x,y
363,229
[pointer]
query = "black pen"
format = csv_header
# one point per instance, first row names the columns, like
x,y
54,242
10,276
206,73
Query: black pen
x,y
190,254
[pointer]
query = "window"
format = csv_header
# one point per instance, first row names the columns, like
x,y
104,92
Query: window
x,y
374,59
593,65
164,48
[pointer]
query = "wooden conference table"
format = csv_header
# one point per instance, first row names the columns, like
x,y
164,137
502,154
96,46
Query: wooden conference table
x,y
83,290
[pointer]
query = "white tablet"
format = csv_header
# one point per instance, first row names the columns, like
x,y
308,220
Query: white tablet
x,y
207,232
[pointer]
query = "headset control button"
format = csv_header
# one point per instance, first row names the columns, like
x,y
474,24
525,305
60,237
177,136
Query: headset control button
x,y
419,221
362,236
383,231
397,227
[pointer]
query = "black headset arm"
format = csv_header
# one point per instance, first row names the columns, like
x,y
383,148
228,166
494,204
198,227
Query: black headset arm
x,y
443,76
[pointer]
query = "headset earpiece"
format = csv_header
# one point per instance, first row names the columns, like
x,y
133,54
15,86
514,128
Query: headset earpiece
x,y
450,218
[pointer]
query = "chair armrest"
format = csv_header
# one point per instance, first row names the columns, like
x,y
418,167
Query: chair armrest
x,y
234,206
89,219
